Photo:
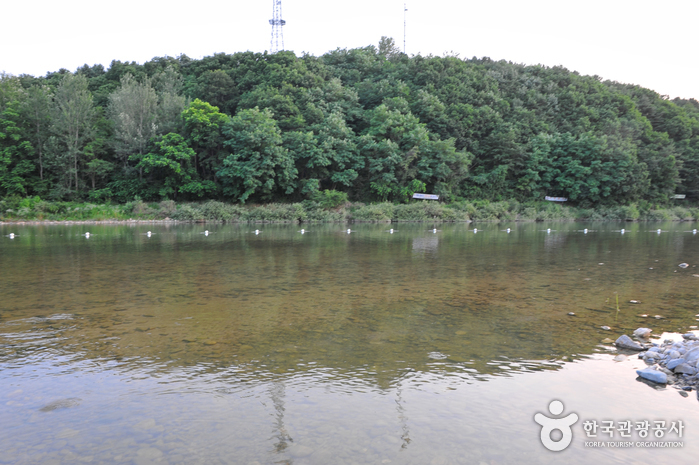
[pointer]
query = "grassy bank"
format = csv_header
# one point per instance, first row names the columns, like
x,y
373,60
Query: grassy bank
x,y
35,209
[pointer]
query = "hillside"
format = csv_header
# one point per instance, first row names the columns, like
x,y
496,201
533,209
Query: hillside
x,y
370,122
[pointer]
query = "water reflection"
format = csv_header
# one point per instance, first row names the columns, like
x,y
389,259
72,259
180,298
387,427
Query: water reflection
x,y
339,300
425,244
266,342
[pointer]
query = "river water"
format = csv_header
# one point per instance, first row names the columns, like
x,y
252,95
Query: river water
x,y
411,347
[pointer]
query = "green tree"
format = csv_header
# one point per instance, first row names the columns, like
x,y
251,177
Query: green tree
x,y
170,169
36,111
133,109
15,154
219,89
398,150
168,85
98,169
203,124
72,118
10,90
258,164
388,48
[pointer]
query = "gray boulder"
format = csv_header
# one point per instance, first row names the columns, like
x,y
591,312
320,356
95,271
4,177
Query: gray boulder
x,y
653,375
642,332
674,362
692,354
685,368
625,342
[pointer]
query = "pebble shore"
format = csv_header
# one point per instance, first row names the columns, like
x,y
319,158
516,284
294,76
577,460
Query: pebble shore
x,y
670,362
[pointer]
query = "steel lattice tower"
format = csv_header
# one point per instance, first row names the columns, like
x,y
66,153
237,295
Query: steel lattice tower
x,y
405,9
277,22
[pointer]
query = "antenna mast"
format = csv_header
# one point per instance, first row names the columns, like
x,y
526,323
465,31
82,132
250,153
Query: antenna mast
x,y
277,22
404,13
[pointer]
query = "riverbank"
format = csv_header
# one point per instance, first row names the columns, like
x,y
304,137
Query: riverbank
x,y
37,211
671,361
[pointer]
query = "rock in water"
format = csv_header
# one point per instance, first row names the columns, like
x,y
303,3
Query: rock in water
x,y
642,332
58,404
653,375
625,342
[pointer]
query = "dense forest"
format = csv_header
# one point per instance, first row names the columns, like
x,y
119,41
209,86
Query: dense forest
x,y
371,122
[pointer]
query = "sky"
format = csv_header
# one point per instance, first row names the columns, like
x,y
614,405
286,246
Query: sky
x,y
649,43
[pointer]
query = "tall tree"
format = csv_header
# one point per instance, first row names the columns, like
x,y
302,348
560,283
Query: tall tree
x,y
202,125
258,163
168,86
15,153
218,88
133,108
73,115
10,90
36,110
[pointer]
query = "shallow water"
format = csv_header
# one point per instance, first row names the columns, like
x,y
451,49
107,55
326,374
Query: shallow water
x,y
328,347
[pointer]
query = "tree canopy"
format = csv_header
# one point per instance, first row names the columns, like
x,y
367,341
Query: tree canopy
x,y
371,122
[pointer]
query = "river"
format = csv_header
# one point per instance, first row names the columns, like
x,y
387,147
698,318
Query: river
x,y
419,346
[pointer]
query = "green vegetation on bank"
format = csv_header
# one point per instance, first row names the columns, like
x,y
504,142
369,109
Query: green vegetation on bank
x,y
371,123
310,211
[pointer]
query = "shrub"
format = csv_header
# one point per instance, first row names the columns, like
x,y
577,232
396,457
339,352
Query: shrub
x,y
329,198
276,212
630,213
187,213
427,211
100,195
378,212
682,214
658,215
167,208
317,214
213,210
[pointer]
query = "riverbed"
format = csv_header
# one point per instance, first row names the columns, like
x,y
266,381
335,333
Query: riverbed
x,y
429,344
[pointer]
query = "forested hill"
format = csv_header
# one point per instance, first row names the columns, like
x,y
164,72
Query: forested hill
x,y
371,122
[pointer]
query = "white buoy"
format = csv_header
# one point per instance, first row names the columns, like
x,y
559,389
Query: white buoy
x,y
508,230
659,231
548,231
206,233
12,235
694,231
349,231
585,231
623,231
434,230
475,230
391,231
257,231
148,234
303,231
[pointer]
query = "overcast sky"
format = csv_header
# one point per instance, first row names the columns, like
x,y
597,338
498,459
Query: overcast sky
x,y
650,43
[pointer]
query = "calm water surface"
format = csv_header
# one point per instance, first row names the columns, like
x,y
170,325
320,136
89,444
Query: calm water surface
x,y
326,347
